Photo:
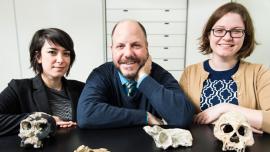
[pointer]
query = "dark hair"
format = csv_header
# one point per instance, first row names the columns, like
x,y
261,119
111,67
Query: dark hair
x,y
232,7
55,36
140,25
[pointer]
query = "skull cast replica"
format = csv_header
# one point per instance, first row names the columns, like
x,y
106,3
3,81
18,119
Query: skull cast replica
x,y
84,148
234,131
35,128
165,138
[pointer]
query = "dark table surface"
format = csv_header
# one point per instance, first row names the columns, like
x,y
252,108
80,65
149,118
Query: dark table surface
x,y
132,139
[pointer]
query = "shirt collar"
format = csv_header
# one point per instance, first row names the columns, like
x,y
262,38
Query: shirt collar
x,y
122,78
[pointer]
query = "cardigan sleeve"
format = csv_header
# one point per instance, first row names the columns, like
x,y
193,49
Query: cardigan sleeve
x,y
263,93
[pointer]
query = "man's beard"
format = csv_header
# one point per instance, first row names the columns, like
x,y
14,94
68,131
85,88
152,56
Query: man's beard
x,y
140,62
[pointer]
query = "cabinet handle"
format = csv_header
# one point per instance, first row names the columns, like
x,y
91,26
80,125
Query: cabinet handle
x,y
167,23
166,10
165,48
165,59
125,10
166,35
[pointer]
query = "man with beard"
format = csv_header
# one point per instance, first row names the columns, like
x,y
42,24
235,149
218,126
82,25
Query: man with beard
x,y
132,90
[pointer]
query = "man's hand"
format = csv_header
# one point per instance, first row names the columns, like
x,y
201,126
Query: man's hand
x,y
63,124
145,69
152,120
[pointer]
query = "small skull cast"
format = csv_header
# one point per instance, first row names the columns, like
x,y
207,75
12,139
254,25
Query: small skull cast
x,y
35,128
234,131
165,138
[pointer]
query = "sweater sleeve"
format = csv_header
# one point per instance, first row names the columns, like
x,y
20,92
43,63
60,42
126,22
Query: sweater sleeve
x,y
168,99
97,110
263,89
10,114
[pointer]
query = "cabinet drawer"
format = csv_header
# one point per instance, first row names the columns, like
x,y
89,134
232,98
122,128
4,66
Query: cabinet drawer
x,y
157,27
148,15
167,52
170,64
146,4
166,40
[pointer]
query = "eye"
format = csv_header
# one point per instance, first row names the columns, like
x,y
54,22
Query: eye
x,y
237,31
136,46
52,52
219,31
67,53
227,128
242,130
26,125
120,46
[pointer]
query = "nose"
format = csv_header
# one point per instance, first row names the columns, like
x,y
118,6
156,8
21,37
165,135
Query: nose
x,y
227,36
128,51
59,58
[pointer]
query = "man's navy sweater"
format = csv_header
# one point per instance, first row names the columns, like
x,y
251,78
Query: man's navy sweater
x,y
104,104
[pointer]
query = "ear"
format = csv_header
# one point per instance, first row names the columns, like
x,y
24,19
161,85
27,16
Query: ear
x,y
38,56
111,47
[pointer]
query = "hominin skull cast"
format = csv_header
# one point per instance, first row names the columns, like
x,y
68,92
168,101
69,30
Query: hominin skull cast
x,y
233,129
35,128
165,138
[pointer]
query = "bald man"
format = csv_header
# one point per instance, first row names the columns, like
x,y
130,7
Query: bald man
x,y
132,90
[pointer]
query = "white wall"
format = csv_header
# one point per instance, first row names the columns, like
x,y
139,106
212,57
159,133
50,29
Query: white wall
x,y
9,57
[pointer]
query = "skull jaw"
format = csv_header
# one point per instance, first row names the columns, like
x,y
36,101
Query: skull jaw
x,y
31,141
238,147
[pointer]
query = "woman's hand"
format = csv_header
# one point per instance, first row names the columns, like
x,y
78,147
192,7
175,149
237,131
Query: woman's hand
x,y
63,124
211,114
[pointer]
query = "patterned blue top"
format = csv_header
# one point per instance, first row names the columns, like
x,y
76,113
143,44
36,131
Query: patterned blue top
x,y
219,87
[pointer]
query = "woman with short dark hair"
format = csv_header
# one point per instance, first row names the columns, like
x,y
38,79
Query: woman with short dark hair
x,y
51,57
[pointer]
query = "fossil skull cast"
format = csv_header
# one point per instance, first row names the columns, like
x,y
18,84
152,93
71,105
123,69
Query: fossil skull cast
x,y
35,128
165,138
234,131
84,148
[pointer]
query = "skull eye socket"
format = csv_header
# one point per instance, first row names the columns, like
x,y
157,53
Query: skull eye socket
x,y
227,128
26,125
242,130
42,126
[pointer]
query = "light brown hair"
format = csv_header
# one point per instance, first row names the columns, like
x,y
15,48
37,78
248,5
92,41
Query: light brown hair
x,y
232,7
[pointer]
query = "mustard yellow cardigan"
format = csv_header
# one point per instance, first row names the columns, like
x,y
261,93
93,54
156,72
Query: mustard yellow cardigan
x,y
253,87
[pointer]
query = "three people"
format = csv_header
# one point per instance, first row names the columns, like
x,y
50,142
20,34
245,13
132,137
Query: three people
x,y
51,57
226,82
132,90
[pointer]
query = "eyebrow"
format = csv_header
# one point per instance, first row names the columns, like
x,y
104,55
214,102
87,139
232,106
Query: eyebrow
x,y
237,27
52,48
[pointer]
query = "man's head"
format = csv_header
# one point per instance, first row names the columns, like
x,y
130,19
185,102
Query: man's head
x,y
129,47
